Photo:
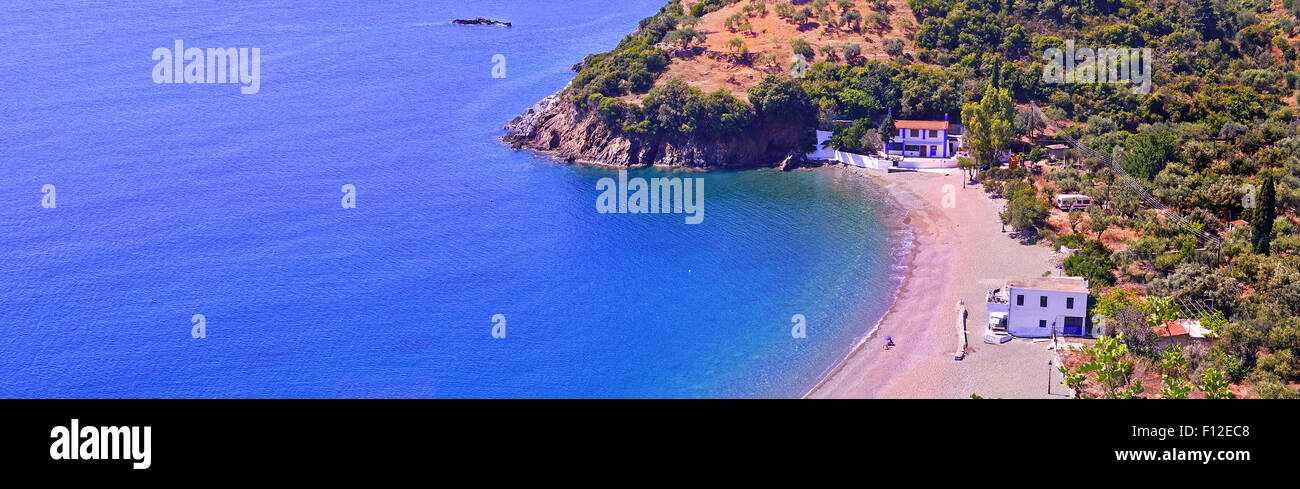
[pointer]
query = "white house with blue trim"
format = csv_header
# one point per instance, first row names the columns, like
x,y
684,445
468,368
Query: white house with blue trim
x,y
924,139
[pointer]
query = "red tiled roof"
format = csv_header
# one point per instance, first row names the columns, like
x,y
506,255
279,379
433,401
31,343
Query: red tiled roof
x,y
1238,222
1171,328
926,125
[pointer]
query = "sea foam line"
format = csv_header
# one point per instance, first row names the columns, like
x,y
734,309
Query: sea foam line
x,y
903,243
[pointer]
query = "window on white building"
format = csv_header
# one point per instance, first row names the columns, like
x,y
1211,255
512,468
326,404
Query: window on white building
x,y
1042,323
934,134
1042,301
1069,303
1020,299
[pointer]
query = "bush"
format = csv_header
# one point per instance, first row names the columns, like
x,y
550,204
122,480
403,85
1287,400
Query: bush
x,y
802,48
1072,241
612,109
1275,389
852,51
1279,363
1093,262
893,46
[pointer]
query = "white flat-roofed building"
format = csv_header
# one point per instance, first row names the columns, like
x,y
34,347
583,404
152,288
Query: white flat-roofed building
x,y
1035,307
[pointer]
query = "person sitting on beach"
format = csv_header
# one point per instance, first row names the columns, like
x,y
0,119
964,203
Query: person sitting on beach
x,y
889,342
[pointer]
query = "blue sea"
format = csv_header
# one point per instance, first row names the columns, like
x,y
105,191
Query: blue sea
x,y
177,200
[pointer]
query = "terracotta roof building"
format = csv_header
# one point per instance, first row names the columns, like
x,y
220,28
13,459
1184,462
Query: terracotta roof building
x,y
1182,332
924,139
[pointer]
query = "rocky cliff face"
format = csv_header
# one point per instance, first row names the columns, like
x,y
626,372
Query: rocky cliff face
x,y
553,125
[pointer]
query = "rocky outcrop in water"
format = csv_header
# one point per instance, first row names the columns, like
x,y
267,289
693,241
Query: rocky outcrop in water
x,y
480,21
556,127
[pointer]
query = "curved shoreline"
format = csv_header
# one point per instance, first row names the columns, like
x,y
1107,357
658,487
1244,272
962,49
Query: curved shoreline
x,y
892,209
921,219
958,253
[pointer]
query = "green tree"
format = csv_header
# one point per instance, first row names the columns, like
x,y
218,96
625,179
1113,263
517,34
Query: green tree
x,y
685,37
1214,321
1174,387
1074,379
737,45
893,46
1162,310
1149,153
989,124
784,10
1172,361
731,23
1099,220
1205,20
1275,389
1027,123
1025,211
803,15
870,142
1074,218
967,166
827,18
782,99
888,131
1265,214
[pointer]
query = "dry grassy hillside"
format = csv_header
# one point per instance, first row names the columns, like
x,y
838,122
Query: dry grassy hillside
x,y
771,35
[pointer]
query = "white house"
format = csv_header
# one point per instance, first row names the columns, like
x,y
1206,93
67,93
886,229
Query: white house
x,y
924,139
1034,307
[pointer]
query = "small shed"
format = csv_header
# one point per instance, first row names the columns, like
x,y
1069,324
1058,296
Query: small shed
x,y
1057,151
1182,332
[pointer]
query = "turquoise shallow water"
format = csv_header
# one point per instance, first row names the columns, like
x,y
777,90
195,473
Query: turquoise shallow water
x,y
176,200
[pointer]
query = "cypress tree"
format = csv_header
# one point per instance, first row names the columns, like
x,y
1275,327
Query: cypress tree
x,y
1204,20
888,131
1265,213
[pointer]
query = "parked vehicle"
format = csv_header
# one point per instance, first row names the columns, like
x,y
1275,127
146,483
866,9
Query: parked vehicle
x,y
1073,202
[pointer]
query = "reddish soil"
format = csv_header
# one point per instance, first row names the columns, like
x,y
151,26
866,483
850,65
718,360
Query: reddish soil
x,y
1145,372
772,35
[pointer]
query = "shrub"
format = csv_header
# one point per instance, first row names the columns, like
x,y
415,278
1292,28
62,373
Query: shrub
x,y
802,48
893,46
852,51
1094,262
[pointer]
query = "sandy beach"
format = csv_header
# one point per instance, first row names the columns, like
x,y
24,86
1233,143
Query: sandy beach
x,y
959,254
